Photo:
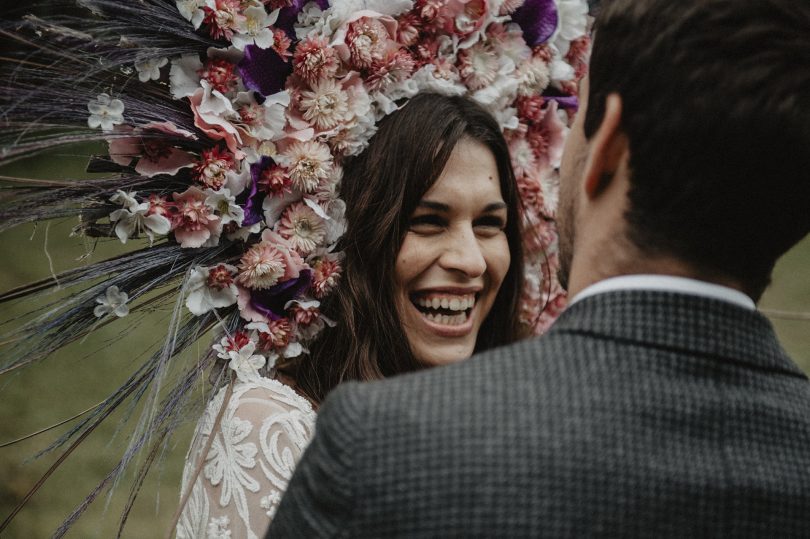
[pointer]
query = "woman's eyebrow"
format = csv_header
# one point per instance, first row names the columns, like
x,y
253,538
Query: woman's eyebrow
x,y
438,206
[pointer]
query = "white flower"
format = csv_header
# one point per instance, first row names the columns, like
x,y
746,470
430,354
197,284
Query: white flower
x,y
126,200
192,11
184,78
105,112
134,218
210,288
572,23
534,77
113,301
311,20
326,105
263,122
254,28
150,69
245,363
225,204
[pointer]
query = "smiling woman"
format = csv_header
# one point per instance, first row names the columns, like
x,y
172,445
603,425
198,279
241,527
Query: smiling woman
x,y
433,267
454,257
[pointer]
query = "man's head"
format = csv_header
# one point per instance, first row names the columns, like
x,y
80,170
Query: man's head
x,y
700,110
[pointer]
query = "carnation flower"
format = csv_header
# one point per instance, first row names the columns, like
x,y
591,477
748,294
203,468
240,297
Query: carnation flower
x,y
113,301
314,59
276,334
194,222
262,266
159,205
220,74
275,181
302,227
210,288
308,162
212,168
150,69
105,112
478,66
223,18
325,105
281,43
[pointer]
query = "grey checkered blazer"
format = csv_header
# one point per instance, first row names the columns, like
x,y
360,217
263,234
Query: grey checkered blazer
x,y
640,414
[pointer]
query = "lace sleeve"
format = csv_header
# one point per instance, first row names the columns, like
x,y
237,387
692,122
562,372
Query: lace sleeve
x,y
264,429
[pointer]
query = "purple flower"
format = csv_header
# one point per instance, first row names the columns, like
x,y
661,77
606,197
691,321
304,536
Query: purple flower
x,y
263,70
271,301
288,16
564,101
253,204
538,19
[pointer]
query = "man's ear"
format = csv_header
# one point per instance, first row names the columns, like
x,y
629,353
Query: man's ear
x,y
606,148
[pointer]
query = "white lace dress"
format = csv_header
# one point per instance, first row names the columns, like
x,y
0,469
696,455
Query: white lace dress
x,y
264,430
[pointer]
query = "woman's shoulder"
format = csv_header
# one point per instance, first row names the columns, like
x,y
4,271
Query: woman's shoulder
x,y
268,396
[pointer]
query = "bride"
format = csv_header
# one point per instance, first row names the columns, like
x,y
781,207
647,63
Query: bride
x,y
433,273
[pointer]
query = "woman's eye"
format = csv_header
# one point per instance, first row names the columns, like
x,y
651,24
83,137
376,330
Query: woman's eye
x,y
427,223
490,223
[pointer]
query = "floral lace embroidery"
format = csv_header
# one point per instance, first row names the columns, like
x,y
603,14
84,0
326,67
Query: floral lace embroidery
x,y
264,430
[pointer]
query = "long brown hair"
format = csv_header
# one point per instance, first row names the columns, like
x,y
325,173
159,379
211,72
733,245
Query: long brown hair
x,y
381,188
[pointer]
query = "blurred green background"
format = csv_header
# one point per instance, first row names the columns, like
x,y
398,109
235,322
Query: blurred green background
x,y
84,374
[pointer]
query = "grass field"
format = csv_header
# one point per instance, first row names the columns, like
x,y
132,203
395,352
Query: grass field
x,y
82,375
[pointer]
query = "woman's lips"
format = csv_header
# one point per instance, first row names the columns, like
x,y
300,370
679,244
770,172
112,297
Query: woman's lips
x,y
446,312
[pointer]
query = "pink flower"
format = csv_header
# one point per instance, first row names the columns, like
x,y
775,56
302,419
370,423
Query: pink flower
x,y
308,163
269,262
212,168
302,228
211,109
275,181
326,105
510,6
530,108
262,266
278,335
577,56
193,222
408,28
221,74
152,144
281,43
223,18
547,138
396,66
325,276
159,205
367,40
478,66
305,316
314,59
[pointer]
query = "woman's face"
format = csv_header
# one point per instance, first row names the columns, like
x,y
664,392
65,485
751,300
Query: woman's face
x,y
454,257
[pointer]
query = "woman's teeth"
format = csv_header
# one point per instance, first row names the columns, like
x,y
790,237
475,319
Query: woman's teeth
x,y
446,309
445,320
453,303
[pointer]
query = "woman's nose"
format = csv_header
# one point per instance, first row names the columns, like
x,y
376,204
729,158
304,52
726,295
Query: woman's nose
x,y
462,252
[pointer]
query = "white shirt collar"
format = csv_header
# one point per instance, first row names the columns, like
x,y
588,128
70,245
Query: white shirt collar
x,y
668,283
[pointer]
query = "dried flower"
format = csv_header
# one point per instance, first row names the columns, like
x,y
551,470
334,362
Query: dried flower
x,y
302,227
113,301
150,69
210,288
262,266
308,163
314,59
325,105
105,112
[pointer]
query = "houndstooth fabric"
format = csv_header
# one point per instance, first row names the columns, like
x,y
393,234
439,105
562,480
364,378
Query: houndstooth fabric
x,y
640,414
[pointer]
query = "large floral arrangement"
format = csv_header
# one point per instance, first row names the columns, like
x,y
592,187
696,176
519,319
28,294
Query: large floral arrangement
x,y
298,86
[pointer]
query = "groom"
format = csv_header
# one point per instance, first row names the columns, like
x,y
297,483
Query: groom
x,y
660,404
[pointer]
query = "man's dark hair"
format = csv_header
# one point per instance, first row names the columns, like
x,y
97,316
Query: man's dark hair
x,y
716,107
